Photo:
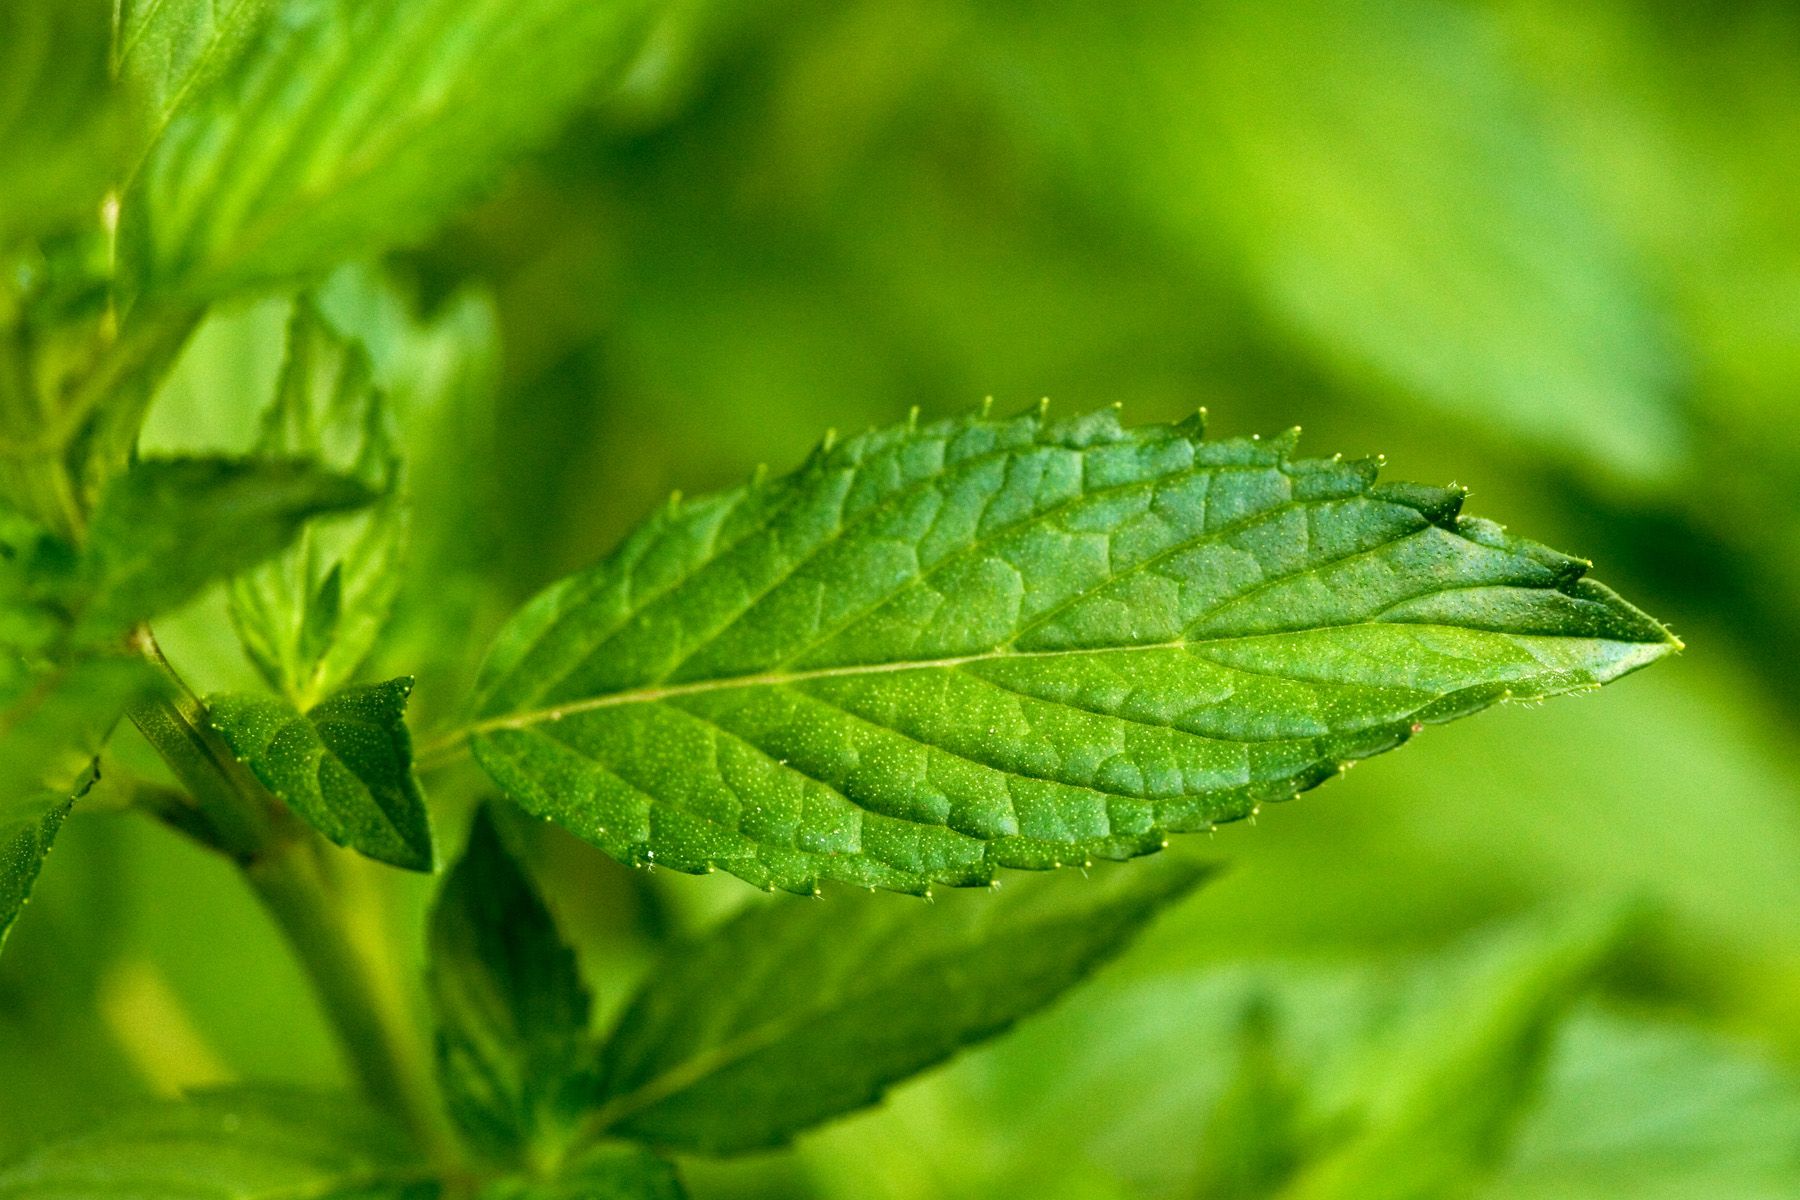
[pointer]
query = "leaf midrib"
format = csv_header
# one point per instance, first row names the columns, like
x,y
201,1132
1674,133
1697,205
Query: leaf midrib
x,y
659,692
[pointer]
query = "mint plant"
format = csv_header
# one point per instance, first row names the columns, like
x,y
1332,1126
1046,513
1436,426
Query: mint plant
x,y
936,655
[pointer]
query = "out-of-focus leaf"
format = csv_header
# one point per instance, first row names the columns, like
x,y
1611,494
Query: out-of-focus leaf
x,y
439,371
40,587
796,1013
1658,1112
310,616
53,723
936,651
603,1173
1679,139
56,117
1439,1098
345,766
1377,177
226,378
169,527
1251,1142
352,126
170,50
232,1144
513,1052
1339,1058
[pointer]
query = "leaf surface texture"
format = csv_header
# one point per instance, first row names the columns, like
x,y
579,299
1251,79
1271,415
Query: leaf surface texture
x,y
933,652
345,766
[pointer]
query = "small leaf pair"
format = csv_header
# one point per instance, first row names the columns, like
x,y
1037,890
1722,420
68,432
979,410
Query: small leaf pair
x,y
788,1016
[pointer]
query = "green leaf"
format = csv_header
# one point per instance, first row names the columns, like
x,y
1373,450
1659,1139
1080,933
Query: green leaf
x,y
1655,1111
172,49
167,528
52,726
232,1144
40,587
1136,1072
440,372
1442,1095
24,845
56,118
794,1013
345,766
602,1173
353,126
933,652
512,1012
1382,182
310,616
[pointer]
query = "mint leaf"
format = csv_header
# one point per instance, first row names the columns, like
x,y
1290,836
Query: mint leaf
x,y
310,616
933,652
167,528
239,1143
345,766
511,1009
602,1173
52,725
794,1013
352,126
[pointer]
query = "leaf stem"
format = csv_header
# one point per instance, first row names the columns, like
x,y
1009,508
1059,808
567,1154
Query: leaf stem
x,y
237,815
291,873
295,885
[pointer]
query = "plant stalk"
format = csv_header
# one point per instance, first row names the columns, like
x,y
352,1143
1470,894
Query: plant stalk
x,y
294,883
288,869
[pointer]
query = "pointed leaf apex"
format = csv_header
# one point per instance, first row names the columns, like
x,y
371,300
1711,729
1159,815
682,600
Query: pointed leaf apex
x,y
1341,575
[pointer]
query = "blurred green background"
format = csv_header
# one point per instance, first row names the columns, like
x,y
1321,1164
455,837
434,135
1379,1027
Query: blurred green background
x,y
1548,251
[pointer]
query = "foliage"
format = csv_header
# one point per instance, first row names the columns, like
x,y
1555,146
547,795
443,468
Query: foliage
x,y
342,345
